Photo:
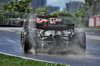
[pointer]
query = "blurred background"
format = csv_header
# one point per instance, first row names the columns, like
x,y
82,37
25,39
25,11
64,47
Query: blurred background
x,y
84,13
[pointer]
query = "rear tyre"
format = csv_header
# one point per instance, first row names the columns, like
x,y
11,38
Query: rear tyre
x,y
78,42
30,42
25,43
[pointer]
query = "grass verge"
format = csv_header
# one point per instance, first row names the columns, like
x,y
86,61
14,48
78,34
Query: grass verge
x,y
6,60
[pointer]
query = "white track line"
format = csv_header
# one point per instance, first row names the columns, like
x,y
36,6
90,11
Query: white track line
x,y
93,37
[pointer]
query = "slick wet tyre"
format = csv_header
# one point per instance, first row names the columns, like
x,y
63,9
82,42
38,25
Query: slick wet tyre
x,y
27,45
78,42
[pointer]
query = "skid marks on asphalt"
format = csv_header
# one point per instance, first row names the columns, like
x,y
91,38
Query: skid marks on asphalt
x,y
12,41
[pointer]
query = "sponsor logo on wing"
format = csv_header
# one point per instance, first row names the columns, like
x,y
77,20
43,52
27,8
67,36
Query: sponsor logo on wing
x,y
57,26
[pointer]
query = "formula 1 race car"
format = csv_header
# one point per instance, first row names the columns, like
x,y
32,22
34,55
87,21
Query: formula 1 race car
x,y
49,35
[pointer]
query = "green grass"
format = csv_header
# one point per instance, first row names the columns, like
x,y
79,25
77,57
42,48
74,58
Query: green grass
x,y
6,60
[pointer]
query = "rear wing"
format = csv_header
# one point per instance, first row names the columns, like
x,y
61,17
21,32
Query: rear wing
x,y
46,17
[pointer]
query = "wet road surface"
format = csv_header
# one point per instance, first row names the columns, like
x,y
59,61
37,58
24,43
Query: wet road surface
x,y
10,43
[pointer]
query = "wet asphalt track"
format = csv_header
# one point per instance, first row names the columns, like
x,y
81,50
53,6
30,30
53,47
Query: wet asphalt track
x,y
10,43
